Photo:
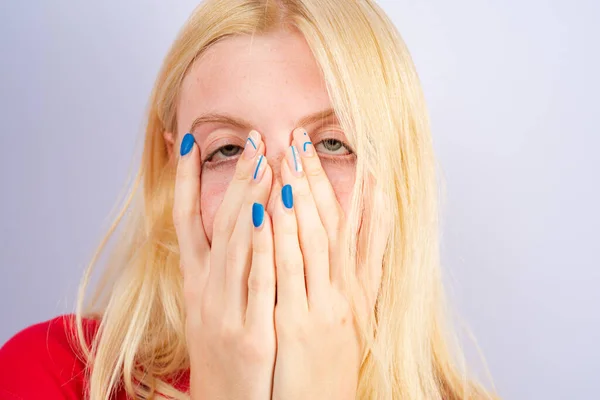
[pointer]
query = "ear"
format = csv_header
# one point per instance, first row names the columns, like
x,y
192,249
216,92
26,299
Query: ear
x,y
169,142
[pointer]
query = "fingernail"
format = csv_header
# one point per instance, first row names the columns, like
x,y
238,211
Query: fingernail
x,y
187,143
294,161
287,197
252,143
259,169
308,149
258,214
303,140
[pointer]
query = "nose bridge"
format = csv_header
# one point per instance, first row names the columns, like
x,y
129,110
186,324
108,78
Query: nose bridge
x,y
274,153
276,145
274,196
275,164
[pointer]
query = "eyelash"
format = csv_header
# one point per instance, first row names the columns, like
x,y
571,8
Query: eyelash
x,y
316,145
214,153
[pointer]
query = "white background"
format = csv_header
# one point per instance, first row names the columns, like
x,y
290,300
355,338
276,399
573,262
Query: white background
x,y
513,92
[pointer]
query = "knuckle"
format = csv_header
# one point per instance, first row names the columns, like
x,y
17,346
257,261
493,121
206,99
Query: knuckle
x,y
236,253
207,311
260,247
238,244
184,173
229,332
318,241
260,283
327,320
254,348
242,173
290,328
181,215
314,170
341,315
223,223
303,194
289,229
291,267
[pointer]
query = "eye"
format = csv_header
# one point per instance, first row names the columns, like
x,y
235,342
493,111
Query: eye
x,y
333,147
224,152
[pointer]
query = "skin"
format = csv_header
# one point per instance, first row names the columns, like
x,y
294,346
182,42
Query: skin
x,y
249,79
243,344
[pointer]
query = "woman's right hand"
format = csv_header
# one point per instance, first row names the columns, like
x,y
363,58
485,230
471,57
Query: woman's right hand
x,y
229,286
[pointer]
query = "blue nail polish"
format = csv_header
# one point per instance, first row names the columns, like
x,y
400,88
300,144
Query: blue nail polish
x,y
258,214
187,144
287,197
297,166
257,167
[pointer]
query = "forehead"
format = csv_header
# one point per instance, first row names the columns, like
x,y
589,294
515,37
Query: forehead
x,y
270,80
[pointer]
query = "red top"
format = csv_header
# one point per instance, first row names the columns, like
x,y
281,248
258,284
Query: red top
x,y
43,362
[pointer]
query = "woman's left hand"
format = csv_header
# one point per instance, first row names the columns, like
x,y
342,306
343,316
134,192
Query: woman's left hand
x,y
318,348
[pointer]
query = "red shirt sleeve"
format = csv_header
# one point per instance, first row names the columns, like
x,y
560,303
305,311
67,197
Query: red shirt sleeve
x,y
43,362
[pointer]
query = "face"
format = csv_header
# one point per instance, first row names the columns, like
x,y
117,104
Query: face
x,y
268,83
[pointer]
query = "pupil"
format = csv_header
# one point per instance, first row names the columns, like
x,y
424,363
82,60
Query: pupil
x,y
229,150
332,144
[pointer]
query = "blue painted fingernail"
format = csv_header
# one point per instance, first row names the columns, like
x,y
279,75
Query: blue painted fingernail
x,y
287,197
257,171
187,144
296,158
307,148
258,214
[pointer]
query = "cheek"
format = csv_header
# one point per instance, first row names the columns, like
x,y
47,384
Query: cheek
x,y
212,191
342,178
215,183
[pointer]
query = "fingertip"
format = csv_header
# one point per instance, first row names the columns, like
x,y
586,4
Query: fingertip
x,y
188,166
259,169
287,196
258,214
303,142
187,144
287,175
189,159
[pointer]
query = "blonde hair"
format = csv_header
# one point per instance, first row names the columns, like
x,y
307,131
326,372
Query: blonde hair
x,y
375,92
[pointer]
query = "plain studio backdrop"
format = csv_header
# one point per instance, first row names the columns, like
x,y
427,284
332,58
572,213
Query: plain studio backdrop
x,y
512,88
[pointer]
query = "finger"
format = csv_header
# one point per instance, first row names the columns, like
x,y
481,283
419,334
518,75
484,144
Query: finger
x,y
327,203
291,287
193,244
239,248
229,209
328,207
261,280
313,239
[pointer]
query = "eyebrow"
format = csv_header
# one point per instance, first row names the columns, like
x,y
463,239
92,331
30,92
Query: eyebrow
x,y
319,116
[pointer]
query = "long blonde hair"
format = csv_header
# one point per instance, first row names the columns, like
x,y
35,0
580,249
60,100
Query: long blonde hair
x,y
375,92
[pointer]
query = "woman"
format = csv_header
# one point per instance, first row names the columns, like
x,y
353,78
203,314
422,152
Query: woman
x,y
281,238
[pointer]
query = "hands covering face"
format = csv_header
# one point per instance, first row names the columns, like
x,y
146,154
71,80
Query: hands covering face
x,y
243,344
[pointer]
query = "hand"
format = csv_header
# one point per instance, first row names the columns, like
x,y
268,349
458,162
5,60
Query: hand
x,y
229,289
318,348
